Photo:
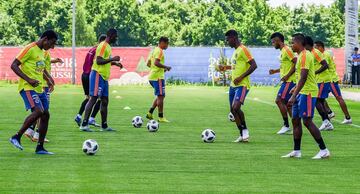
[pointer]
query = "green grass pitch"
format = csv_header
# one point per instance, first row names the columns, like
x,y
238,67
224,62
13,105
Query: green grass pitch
x,y
175,160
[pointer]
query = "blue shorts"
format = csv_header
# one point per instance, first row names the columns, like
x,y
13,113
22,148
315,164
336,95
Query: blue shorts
x,y
159,87
284,91
98,86
335,89
33,99
304,106
324,89
237,94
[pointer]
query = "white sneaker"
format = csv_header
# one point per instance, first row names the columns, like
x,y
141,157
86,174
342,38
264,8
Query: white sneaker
x,y
29,133
326,126
86,128
347,121
283,130
35,137
322,154
293,154
331,115
239,139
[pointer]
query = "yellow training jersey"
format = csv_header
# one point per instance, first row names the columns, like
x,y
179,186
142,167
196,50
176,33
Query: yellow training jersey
x,y
240,64
305,60
286,63
157,73
103,50
324,76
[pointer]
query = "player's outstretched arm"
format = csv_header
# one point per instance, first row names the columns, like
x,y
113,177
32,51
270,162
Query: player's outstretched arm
x,y
102,61
15,67
57,60
158,64
273,71
292,70
324,66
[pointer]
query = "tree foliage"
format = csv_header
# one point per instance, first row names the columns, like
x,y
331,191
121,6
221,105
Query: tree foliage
x,y
185,22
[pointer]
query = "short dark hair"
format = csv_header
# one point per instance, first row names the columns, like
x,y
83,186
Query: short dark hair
x,y
102,37
164,39
279,35
111,32
309,41
320,43
49,34
232,33
356,49
299,37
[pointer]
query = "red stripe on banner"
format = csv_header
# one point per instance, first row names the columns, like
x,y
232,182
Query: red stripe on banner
x,y
96,89
283,95
309,105
30,99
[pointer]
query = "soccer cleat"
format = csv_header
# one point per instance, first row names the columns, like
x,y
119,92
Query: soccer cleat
x,y
35,138
346,121
78,120
29,133
16,143
293,154
283,130
245,135
238,140
326,126
43,152
331,115
93,123
107,129
163,120
149,116
322,154
86,128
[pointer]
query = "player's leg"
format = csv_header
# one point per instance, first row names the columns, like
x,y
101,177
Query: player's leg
x,y
281,103
104,105
46,103
43,128
307,110
29,133
160,101
330,113
320,106
32,101
239,98
335,90
86,84
297,131
155,86
94,113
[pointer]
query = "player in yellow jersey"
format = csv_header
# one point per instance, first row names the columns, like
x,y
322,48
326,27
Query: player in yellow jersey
x,y
303,99
99,85
287,74
323,79
48,89
30,66
334,84
242,65
157,78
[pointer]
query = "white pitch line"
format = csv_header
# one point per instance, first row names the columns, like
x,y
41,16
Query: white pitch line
x,y
273,104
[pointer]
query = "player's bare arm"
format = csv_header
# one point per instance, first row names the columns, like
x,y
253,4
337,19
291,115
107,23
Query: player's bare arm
x,y
158,64
102,61
324,66
303,77
251,69
15,67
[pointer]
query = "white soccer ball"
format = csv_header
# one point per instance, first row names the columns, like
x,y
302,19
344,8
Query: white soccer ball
x,y
152,126
231,117
208,136
137,121
90,147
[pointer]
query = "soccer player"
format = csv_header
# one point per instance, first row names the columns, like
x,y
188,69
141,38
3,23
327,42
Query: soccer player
x,y
303,99
99,76
242,65
334,84
287,70
323,78
157,78
48,88
89,59
29,65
